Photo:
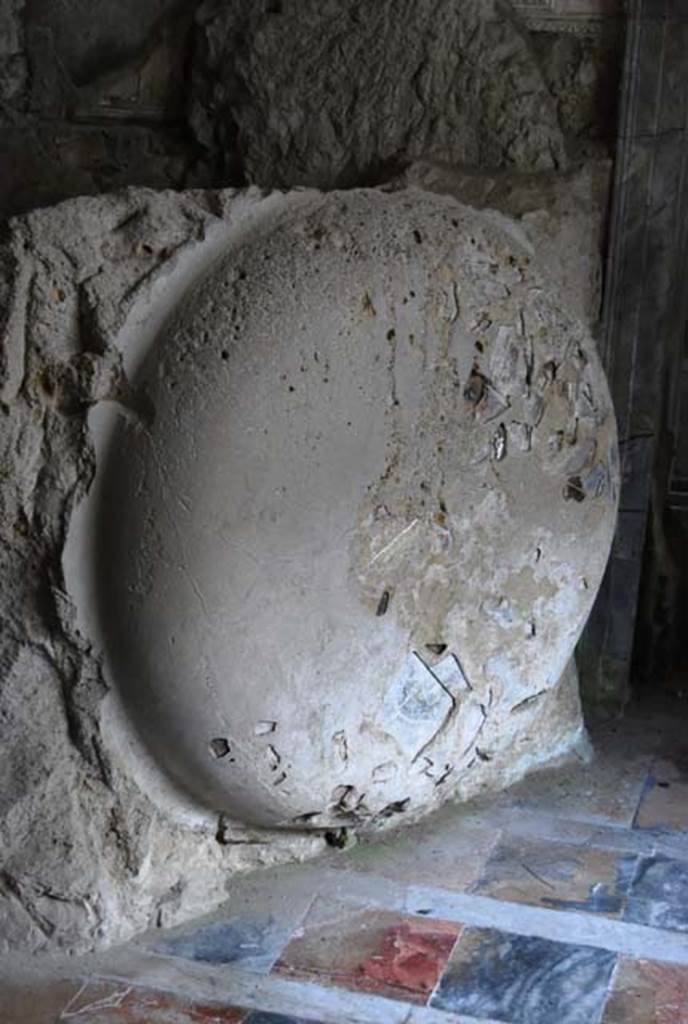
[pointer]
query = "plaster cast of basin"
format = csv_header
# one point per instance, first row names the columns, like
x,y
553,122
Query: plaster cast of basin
x,y
350,540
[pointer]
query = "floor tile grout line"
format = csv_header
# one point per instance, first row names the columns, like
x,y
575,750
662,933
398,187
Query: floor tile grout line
x,y
634,877
72,999
113,1001
437,984
545,828
646,789
299,924
558,926
485,911
610,989
266,992
512,820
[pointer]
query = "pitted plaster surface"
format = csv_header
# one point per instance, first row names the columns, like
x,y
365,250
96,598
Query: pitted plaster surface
x,y
344,620
563,216
368,439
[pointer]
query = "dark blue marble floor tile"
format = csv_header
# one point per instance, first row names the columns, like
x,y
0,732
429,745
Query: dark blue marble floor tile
x,y
252,940
659,894
524,980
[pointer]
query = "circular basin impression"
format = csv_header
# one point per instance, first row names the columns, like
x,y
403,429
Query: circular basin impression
x,y
364,514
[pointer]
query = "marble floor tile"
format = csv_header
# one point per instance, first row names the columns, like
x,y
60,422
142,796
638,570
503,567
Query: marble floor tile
x,y
606,791
658,895
524,980
251,941
119,1003
370,950
104,1002
558,876
648,992
35,1003
664,804
433,853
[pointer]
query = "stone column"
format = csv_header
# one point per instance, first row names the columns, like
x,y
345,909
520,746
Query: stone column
x,y
644,309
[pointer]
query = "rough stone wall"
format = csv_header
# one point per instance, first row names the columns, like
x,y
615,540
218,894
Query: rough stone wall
x,y
91,98
563,216
85,857
95,96
583,73
334,94
89,854
13,68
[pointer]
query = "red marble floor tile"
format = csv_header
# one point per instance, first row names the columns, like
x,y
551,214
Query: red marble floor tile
x,y
400,957
120,1003
648,992
35,1002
